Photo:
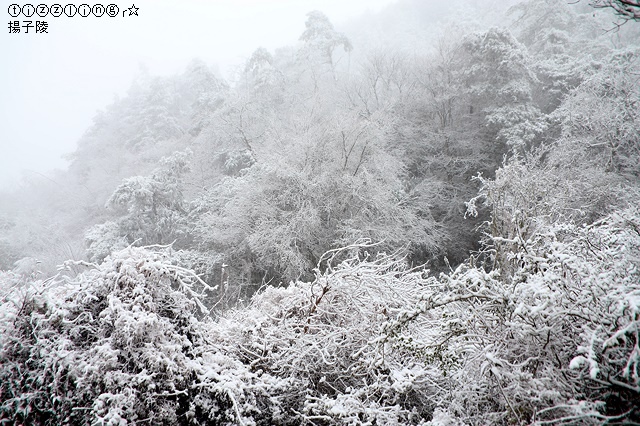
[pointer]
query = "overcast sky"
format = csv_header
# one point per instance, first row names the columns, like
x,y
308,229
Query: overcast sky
x,y
52,84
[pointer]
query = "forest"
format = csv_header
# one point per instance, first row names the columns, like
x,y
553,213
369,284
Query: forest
x,y
428,217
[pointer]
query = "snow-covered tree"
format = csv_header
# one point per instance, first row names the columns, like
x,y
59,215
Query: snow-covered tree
x,y
318,186
600,119
321,39
498,78
152,210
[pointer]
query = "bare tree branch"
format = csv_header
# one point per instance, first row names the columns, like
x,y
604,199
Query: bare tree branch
x,y
628,10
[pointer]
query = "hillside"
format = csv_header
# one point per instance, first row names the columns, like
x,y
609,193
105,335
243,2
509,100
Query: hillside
x,y
428,216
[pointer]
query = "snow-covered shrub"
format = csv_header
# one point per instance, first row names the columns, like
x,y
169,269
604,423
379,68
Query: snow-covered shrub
x,y
8,280
531,193
368,341
372,342
122,344
102,239
318,335
555,343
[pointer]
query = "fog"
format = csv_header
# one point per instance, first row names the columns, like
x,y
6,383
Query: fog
x,y
52,84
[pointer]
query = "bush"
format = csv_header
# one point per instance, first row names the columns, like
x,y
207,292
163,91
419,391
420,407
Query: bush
x,y
554,343
121,344
318,336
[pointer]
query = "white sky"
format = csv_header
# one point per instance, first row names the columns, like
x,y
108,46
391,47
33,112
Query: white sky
x,y
52,84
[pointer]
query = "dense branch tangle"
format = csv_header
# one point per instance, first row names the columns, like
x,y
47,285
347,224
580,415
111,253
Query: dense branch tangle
x,y
629,10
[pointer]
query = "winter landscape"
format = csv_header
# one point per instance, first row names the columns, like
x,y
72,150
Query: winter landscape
x,y
426,215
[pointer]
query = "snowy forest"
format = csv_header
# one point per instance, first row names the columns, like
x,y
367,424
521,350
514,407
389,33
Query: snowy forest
x,y
429,216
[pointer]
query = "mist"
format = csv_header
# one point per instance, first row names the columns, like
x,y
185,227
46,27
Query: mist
x,y
53,84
